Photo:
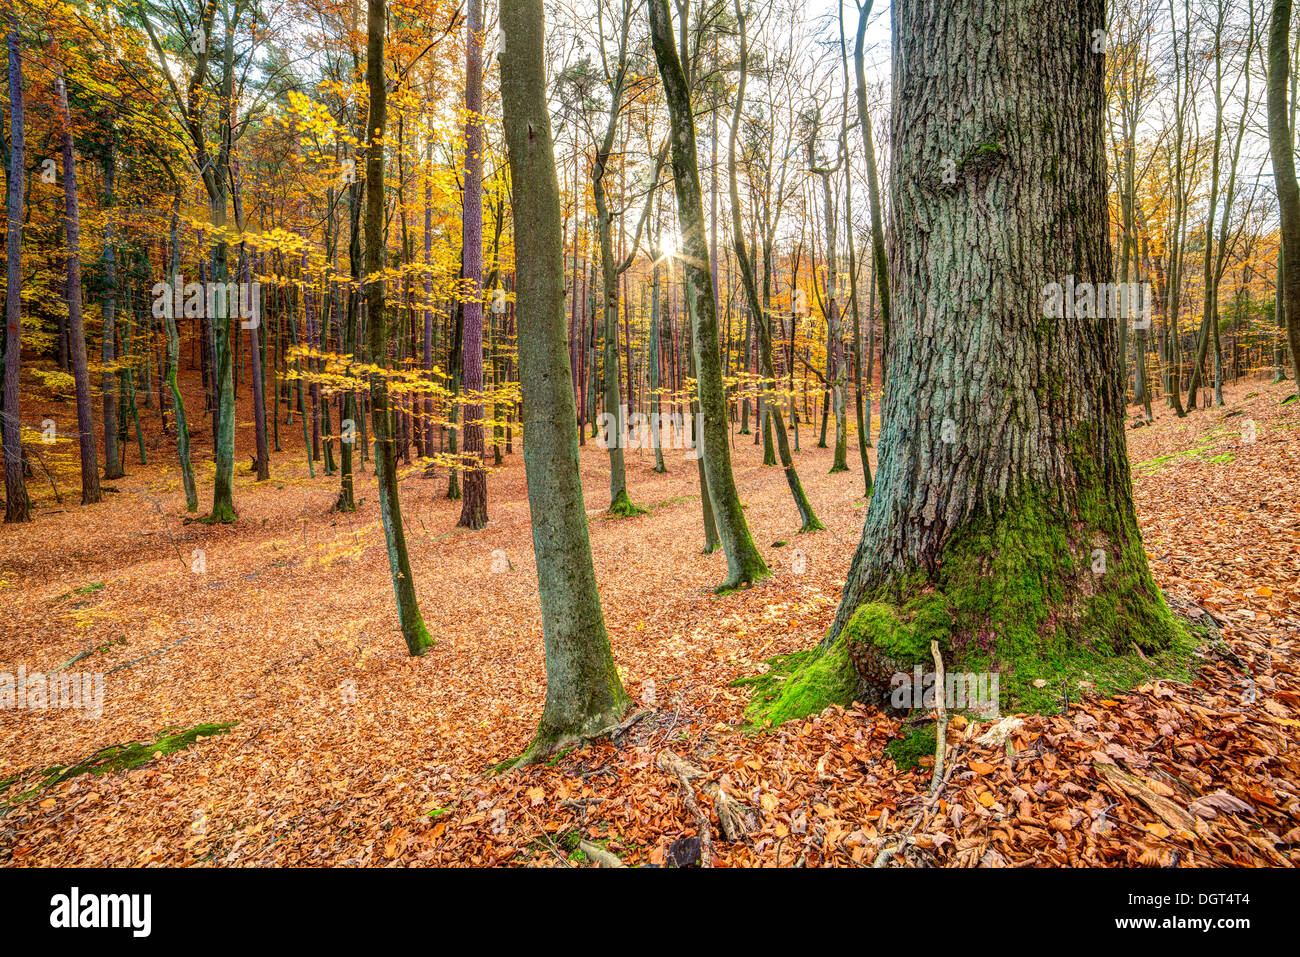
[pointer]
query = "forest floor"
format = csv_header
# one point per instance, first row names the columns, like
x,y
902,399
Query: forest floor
x,y
342,750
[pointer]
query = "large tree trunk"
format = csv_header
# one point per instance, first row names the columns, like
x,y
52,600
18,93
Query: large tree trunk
x,y
744,564
1288,193
390,509
1002,525
16,504
76,326
473,509
583,693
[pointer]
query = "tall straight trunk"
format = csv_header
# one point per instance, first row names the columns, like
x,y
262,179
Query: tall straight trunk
x,y
428,302
584,696
17,507
90,492
1282,148
1003,529
861,412
350,425
654,361
619,501
1279,308
473,511
744,563
390,509
173,360
880,267
807,517
109,379
1209,314
835,365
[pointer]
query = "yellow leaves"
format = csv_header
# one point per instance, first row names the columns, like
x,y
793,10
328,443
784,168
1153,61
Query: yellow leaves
x,y
1263,591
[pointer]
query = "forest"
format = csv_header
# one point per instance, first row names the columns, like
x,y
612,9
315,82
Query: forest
x,y
633,433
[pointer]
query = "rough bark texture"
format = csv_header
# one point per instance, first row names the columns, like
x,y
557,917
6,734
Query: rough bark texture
x,y
1281,146
1002,524
583,693
744,564
16,504
399,564
473,510
76,326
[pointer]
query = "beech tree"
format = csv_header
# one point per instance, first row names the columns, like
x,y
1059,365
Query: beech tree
x,y
584,695
1282,147
744,563
16,505
90,491
473,511
807,517
399,563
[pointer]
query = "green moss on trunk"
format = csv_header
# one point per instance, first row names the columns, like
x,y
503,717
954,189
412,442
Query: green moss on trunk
x,y
1044,603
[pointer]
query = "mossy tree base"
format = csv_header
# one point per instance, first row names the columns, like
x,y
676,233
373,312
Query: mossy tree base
x,y
745,578
221,514
418,640
808,683
622,507
551,740
1021,595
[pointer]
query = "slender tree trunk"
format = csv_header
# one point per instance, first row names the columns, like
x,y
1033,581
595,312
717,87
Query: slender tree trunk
x,y
473,512
173,360
807,517
880,265
744,563
109,379
90,492
1282,148
17,507
584,696
390,509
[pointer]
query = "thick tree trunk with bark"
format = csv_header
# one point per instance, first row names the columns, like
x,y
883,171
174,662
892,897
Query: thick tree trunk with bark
x,y
76,326
1282,148
744,564
16,505
1002,524
473,509
583,693
390,510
